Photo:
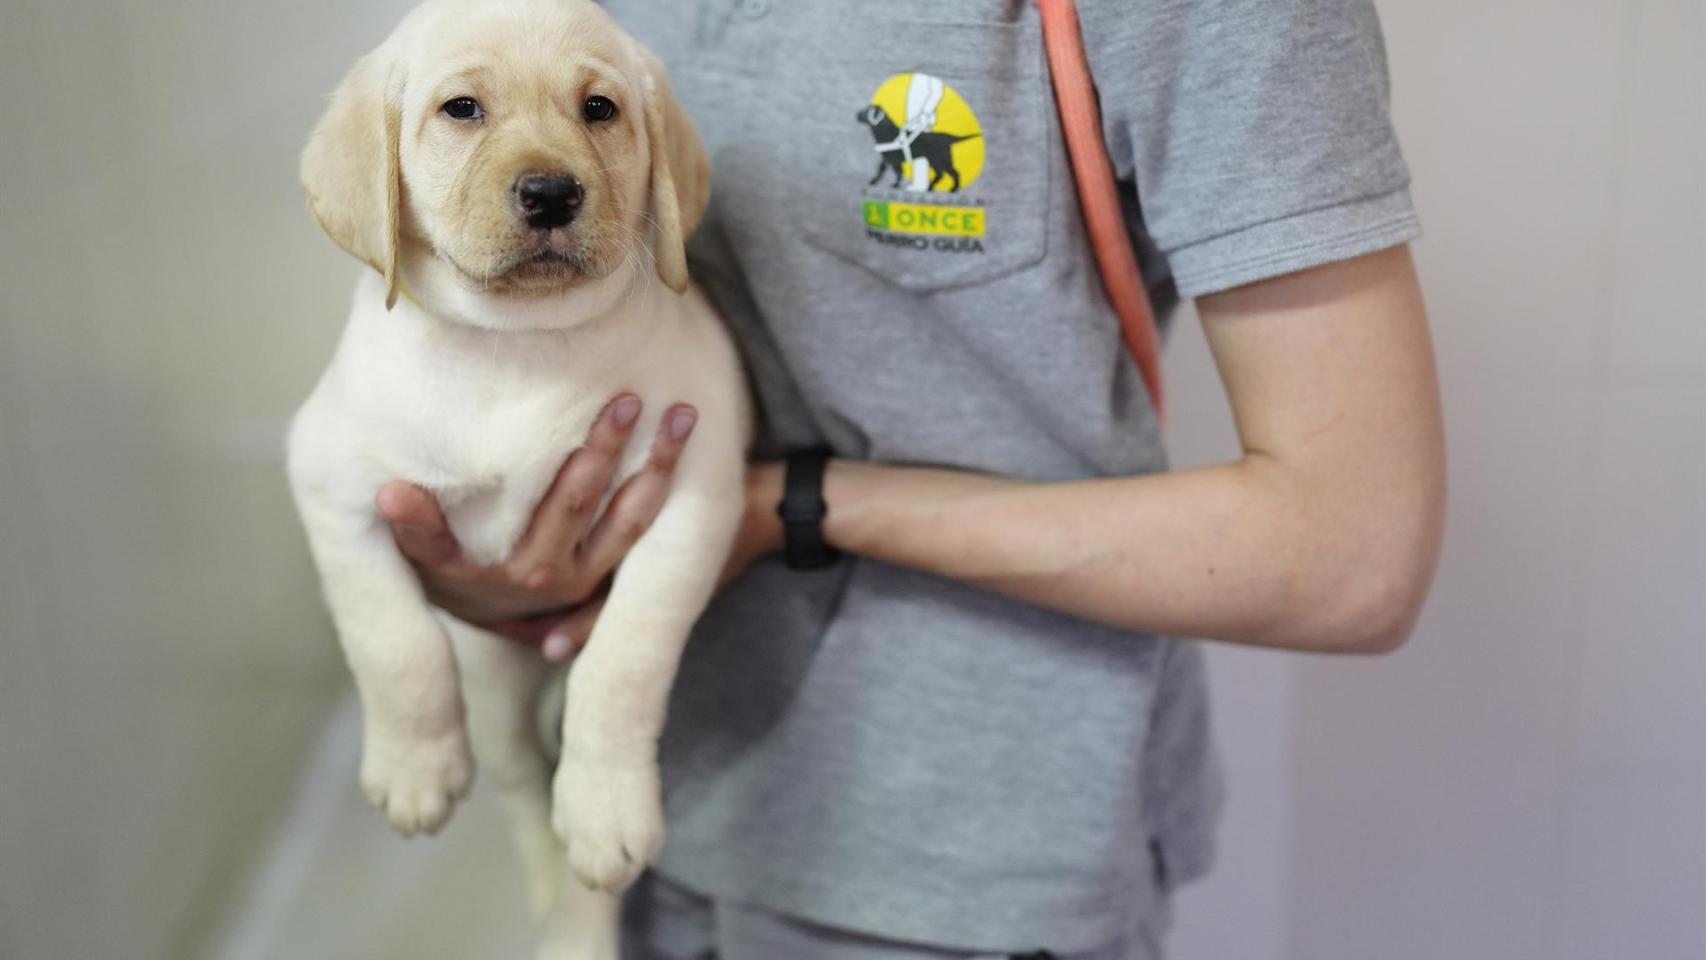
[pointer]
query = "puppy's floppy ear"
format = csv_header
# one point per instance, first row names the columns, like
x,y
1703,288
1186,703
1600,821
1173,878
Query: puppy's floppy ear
x,y
681,173
351,168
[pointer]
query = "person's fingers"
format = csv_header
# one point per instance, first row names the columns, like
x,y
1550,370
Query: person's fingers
x,y
558,637
417,523
569,505
570,634
636,505
529,631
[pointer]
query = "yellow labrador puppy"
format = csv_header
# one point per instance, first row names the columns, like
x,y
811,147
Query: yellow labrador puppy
x,y
520,178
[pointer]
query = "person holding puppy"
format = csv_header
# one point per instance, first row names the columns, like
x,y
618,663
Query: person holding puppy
x,y
947,714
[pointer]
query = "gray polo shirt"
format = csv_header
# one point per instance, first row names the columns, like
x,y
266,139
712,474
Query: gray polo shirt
x,y
894,237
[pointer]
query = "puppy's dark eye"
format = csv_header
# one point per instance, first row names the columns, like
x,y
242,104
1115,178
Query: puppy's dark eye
x,y
598,109
463,108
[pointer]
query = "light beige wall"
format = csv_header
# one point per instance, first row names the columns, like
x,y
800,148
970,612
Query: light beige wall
x,y
163,658
1527,780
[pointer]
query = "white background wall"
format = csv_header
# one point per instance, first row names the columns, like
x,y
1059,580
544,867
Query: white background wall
x,y
163,662
1526,780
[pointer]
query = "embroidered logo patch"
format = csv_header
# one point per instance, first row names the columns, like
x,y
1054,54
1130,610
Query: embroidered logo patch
x,y
929,148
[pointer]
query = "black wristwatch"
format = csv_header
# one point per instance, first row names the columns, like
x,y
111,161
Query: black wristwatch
x,y
802,511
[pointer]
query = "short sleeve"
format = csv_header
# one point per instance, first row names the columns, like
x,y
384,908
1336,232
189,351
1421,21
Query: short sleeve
x,y
1257,132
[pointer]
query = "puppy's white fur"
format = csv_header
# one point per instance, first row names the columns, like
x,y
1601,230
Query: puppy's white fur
x,y
476,389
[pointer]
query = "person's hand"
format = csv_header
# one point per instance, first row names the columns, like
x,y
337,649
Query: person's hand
x,y
551,588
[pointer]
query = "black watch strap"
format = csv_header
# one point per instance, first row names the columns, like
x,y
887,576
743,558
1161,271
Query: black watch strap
x,y
802,511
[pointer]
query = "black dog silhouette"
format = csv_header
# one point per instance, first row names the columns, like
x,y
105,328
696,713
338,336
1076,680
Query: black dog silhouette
x,y
935,148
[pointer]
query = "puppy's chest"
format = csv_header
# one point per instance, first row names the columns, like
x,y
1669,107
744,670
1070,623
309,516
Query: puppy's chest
x,y
489,515
489,458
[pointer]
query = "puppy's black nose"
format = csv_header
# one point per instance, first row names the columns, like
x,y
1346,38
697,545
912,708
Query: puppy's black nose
x,y
548,202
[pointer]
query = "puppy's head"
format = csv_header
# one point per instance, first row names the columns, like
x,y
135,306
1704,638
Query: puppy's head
x,y
525,146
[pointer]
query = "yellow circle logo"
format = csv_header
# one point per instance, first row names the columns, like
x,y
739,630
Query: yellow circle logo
x,y
927,138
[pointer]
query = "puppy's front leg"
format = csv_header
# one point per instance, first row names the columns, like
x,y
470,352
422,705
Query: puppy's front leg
x,y
606,803
415,762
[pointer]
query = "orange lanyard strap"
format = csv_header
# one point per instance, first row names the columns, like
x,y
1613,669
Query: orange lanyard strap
x,y
1098,197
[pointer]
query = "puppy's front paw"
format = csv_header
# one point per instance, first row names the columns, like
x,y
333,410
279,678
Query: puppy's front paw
x,y
416,780
611,818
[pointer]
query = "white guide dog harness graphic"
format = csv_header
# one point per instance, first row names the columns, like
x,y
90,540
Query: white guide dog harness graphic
x,y
923,96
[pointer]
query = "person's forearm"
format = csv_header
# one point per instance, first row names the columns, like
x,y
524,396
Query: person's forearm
x,y
1323,535
1235,552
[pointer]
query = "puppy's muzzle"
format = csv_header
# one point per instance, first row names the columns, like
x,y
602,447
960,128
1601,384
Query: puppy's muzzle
x,y
548,202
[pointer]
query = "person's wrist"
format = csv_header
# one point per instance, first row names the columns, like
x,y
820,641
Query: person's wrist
x,y
843,484
802,511
763,493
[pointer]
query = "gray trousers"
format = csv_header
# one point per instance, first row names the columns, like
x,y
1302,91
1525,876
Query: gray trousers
x,y
663,921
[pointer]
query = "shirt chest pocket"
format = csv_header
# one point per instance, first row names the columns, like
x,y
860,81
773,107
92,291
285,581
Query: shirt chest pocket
x,y
927,151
